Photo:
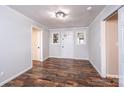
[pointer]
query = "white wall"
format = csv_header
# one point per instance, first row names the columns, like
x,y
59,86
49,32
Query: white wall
x,y
94,35
15,43
45,43
80,51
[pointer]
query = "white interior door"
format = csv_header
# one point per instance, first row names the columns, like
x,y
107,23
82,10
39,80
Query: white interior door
x,y
67,44
121,45
36,44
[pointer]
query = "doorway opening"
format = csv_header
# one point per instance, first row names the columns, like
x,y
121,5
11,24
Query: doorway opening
x,y
111,46
36,44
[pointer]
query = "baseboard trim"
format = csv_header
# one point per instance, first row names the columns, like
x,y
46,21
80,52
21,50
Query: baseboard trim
x,y
121,84
81,58
45,58
70,58
112,76
13,77
96,68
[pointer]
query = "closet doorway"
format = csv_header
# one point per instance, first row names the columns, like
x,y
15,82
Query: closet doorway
x,y
111,39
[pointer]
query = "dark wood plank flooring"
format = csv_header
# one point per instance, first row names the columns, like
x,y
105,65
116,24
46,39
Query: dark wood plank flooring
x,y
62,73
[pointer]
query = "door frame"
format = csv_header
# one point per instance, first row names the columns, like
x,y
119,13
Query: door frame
x,y
103,50
103,43
121,46
41,42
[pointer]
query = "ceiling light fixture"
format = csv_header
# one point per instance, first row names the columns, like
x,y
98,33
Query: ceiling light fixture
x,y
89,8
60,14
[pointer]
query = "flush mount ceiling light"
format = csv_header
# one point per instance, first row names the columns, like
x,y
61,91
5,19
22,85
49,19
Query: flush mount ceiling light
x,y
60,14
89,8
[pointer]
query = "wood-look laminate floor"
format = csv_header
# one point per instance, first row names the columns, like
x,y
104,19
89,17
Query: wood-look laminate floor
x,y
62,73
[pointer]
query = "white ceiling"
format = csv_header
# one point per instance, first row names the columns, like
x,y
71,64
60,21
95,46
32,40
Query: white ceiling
x,y
77,15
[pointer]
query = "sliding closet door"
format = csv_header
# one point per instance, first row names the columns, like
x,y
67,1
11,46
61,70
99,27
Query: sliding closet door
x,y
67,44
121,45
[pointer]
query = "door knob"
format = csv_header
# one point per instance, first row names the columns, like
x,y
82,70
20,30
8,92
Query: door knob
x,y
38,47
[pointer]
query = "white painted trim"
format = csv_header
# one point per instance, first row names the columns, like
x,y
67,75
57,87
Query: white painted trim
x,y
69,29
121,45
69,58
103,42
96,68
41,45
81,58
45,59
112,76
13,77
31,45
103,50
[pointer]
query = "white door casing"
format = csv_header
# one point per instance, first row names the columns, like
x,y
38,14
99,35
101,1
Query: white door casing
x,y
121,45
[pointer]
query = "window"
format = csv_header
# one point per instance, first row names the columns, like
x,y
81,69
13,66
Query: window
x,y
55,39
81,38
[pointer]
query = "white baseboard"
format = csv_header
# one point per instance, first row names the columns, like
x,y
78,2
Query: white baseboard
x,y
45,58
69,58
81,58
121,84
13,77
112,76
96,68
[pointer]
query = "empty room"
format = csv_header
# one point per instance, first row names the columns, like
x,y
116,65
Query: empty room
x,y
62,46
